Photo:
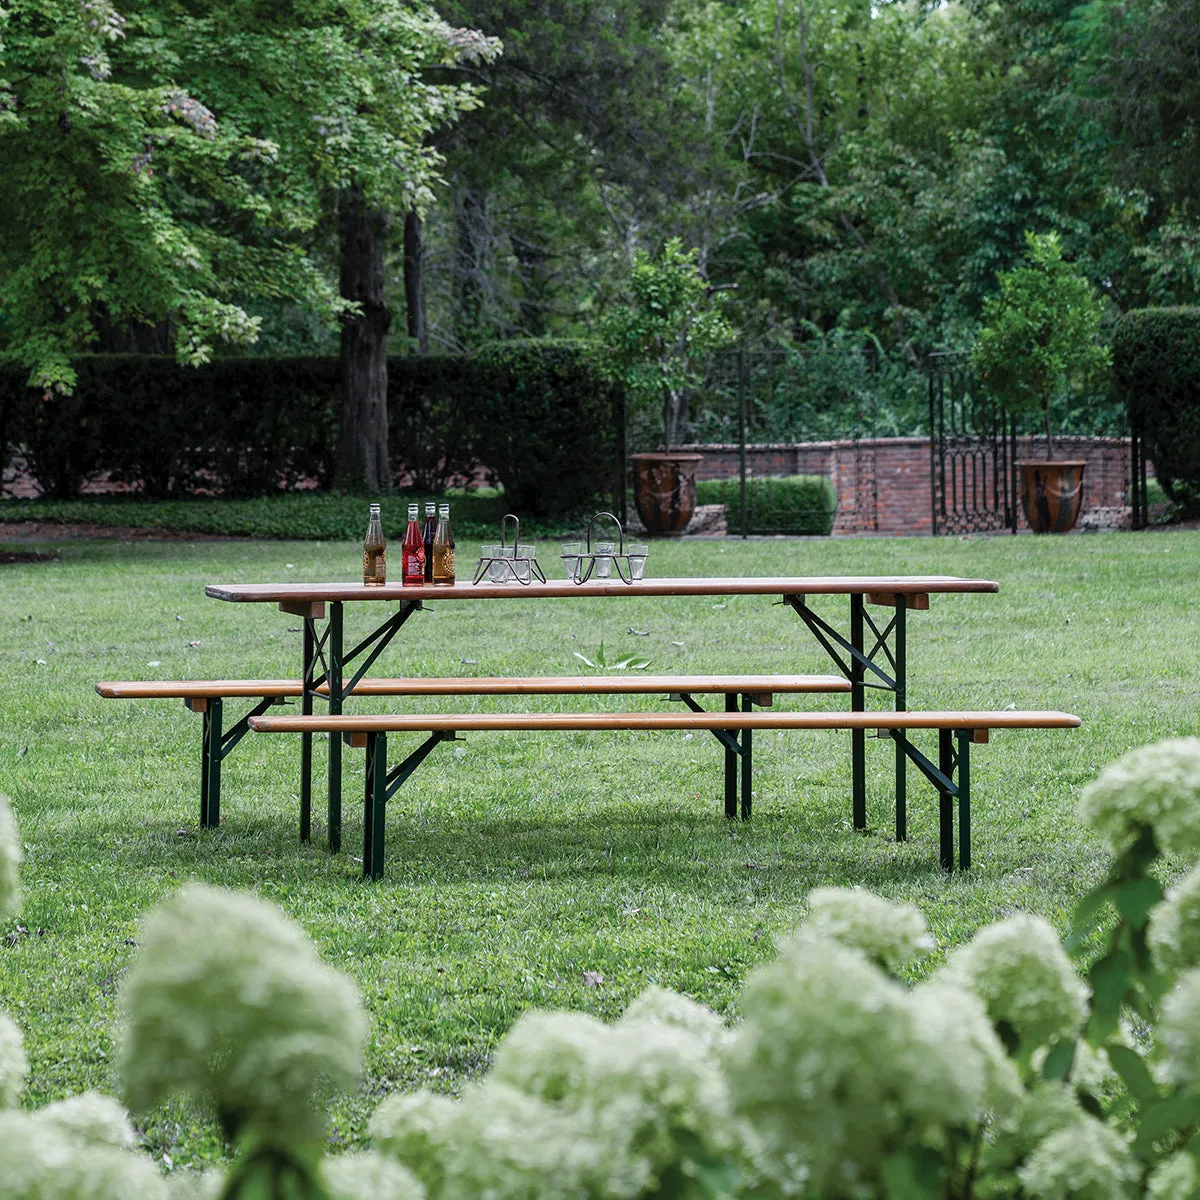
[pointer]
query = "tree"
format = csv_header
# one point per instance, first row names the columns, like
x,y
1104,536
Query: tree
x,y
658,341
1040,332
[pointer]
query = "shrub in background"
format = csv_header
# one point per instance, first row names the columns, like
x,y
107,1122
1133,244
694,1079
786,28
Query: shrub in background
x,y
546,427
1156,361
795,504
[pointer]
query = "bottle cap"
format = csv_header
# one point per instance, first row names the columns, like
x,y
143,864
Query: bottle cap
x,y
412,512
443,510
374,508
430,507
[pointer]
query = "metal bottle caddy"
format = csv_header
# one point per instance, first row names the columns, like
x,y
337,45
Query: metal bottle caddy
x,y
590,557
512,569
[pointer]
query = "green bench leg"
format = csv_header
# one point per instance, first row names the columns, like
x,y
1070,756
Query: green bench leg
x,y
731,772
747,761
210,766
964,799
375,805
900,647
858,737
945,800
335,743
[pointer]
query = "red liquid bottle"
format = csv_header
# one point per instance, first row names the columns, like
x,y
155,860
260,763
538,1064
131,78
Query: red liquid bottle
x,y
412,552
428,533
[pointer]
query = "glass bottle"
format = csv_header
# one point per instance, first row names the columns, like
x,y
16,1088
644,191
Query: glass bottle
x,y
443,549
427,536
374,551
412,553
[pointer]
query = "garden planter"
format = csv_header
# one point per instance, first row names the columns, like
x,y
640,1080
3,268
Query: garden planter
x,y
1051,494
664,489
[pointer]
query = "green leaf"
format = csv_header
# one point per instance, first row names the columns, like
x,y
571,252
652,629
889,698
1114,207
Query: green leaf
x,y
913,1174
1160,1119
583,657
1133,1070
1136,898
1109,980
1059,1060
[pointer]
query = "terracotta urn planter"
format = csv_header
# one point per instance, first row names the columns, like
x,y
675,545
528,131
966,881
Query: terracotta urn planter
x,y
1051,494
664,489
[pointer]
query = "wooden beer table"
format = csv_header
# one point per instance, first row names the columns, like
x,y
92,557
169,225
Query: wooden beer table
x,y
868,653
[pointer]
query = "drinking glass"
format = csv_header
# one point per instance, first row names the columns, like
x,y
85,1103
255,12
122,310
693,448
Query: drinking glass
x,y
497,568
637,552
604,565
522,568
573,560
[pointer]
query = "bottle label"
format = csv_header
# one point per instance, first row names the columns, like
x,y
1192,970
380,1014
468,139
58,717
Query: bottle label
x,y
414,566
374,566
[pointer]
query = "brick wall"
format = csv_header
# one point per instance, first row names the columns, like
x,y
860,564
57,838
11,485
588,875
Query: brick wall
x,y
883,484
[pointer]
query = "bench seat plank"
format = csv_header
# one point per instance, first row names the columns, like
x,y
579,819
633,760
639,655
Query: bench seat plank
x,y
197,689
466,722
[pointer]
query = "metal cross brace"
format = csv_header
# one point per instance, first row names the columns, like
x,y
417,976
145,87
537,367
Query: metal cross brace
x,y
826,634
215,746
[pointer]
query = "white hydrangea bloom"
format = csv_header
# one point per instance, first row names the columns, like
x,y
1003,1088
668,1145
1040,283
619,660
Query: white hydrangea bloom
x,y
1021,972
1179,1029
834,1070
889,934
654,1096
418,1130
972,1072
369,1175
10,860
196,1185
38,1161
1156,787
228,999
549,1054
1175,1178
1086,1161
671,1008
92,1118
14,1066
1174,930
1091,1069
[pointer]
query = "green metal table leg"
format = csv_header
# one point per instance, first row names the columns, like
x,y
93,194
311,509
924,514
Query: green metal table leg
x,y
368,803
964,799
731,705
945,799
335,744
858,737
747,761
900,646
306,707
377,773
210,766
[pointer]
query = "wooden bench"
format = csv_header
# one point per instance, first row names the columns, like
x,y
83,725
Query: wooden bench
x,y
950,776
208,696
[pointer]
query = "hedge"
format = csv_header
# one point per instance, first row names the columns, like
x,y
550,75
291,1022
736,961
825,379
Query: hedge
x,y
1156,362
793,504
538,415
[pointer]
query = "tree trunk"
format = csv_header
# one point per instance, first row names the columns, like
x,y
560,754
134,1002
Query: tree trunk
x,y
414,283
472,235
362,461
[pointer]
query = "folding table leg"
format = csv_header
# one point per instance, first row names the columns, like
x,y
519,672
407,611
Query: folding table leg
x,y
306,707
377,782
858,737
945,800
747,761
899,641
731,705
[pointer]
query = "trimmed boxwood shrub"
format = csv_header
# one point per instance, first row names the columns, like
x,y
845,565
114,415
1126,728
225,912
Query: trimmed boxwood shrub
x,y
794,504
1156,361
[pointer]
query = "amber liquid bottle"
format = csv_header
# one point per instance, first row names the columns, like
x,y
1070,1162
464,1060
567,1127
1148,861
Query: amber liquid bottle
x,y
443,549
412,553
428,534
374,551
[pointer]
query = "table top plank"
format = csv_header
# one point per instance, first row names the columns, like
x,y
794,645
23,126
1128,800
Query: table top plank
x,y
467,722
816,585
631,683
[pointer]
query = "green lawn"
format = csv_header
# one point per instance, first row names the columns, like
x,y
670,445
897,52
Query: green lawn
x,y
518,862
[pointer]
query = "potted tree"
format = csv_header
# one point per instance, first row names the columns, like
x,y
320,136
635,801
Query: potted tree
x,y
656,345
1040,339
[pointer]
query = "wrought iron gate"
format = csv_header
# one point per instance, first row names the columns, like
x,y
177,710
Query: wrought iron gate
x,y
972,453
